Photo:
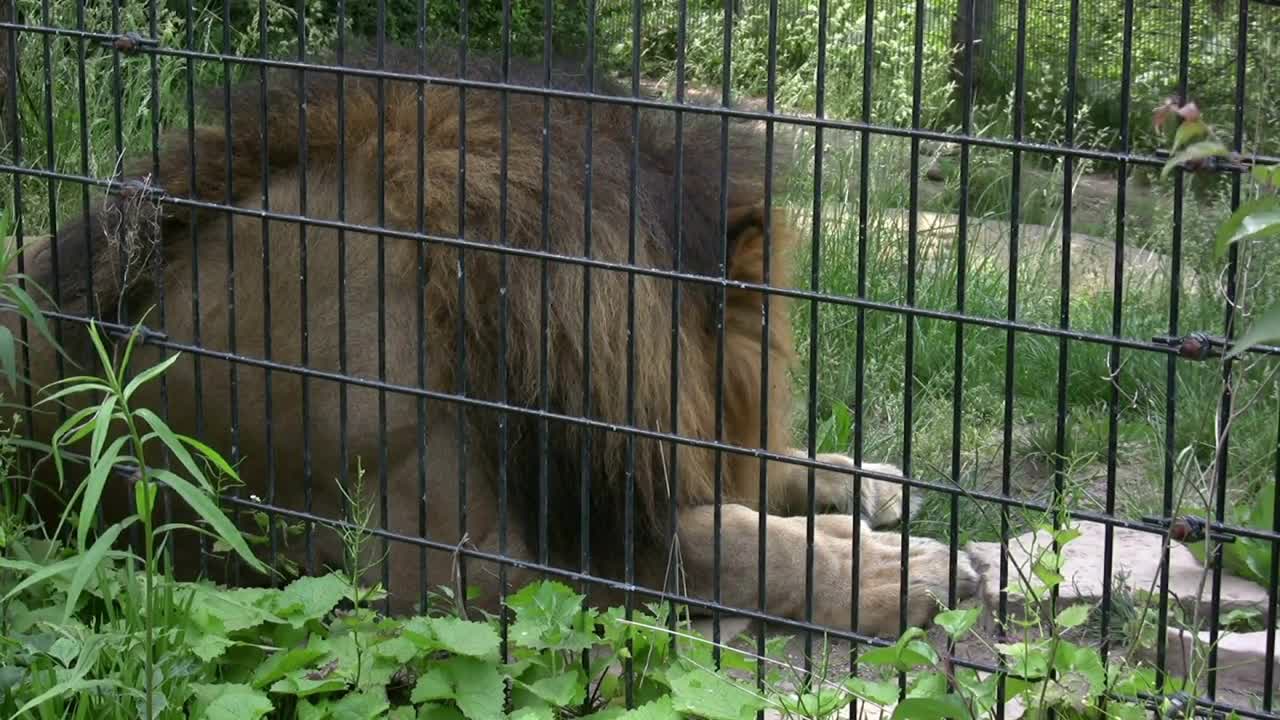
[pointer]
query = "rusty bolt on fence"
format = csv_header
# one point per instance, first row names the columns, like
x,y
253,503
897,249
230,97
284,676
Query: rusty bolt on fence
x,y
131,42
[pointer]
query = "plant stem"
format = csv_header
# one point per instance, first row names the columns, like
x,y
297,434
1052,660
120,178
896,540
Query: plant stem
x,y
149,548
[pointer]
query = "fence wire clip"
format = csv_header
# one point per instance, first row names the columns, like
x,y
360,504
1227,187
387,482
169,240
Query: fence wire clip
x,y
131,42
144,333
1196,346
134,188
1188,529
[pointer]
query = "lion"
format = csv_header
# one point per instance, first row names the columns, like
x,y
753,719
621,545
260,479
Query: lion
x,y
516,392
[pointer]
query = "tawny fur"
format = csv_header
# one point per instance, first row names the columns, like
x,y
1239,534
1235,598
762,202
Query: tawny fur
x,y
439,460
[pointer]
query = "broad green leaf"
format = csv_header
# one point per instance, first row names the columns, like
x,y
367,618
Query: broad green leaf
x,y
956,622
434,711
1082,661
881,693
89,563
1264,331
539,713
397,649
929,685
364,705
310,598
434,684
465,637
946,706
904,655
283,662
477,687
232,609
705,694
549,616
233,702
208,511
1195,151
659,709
1073,616
1257,218
305,683
93,488
567,688
1029,660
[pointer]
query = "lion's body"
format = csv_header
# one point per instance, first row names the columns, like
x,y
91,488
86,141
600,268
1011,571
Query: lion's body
x,y
551,340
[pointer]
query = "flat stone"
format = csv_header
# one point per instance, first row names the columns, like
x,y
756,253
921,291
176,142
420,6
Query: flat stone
x,y
1136,559
1241,663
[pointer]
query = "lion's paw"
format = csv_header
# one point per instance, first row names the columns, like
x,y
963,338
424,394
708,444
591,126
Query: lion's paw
x,y
930,571
880,501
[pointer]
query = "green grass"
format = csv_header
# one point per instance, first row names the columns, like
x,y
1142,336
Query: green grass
x,y
1141,382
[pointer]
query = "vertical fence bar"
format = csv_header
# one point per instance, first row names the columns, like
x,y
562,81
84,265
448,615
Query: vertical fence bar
x,y
908,360
229,222
344,441
1011,337
197,373
629,513
762,532
673,567
52,188
1117,326
962,259
464,22
420,307
584,457
544,297
264,146
1171,367
1222,450
1269,660
14,130
304,320
384,490
811,410
860,343
504,321
722,230
1064,309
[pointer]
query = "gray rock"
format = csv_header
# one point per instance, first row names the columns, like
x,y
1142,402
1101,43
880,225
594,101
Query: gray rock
x,y
1136,555
1241,663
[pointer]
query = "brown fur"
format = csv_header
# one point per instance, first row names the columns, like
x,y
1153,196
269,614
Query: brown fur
x,y
462,329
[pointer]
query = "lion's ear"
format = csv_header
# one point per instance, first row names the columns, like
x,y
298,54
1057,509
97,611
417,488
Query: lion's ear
x,y
747,246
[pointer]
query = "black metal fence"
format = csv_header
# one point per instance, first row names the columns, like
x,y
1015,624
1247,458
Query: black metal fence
x,y
545,371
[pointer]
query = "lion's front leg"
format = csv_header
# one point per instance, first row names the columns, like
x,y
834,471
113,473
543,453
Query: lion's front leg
x,y
880,501
878,580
